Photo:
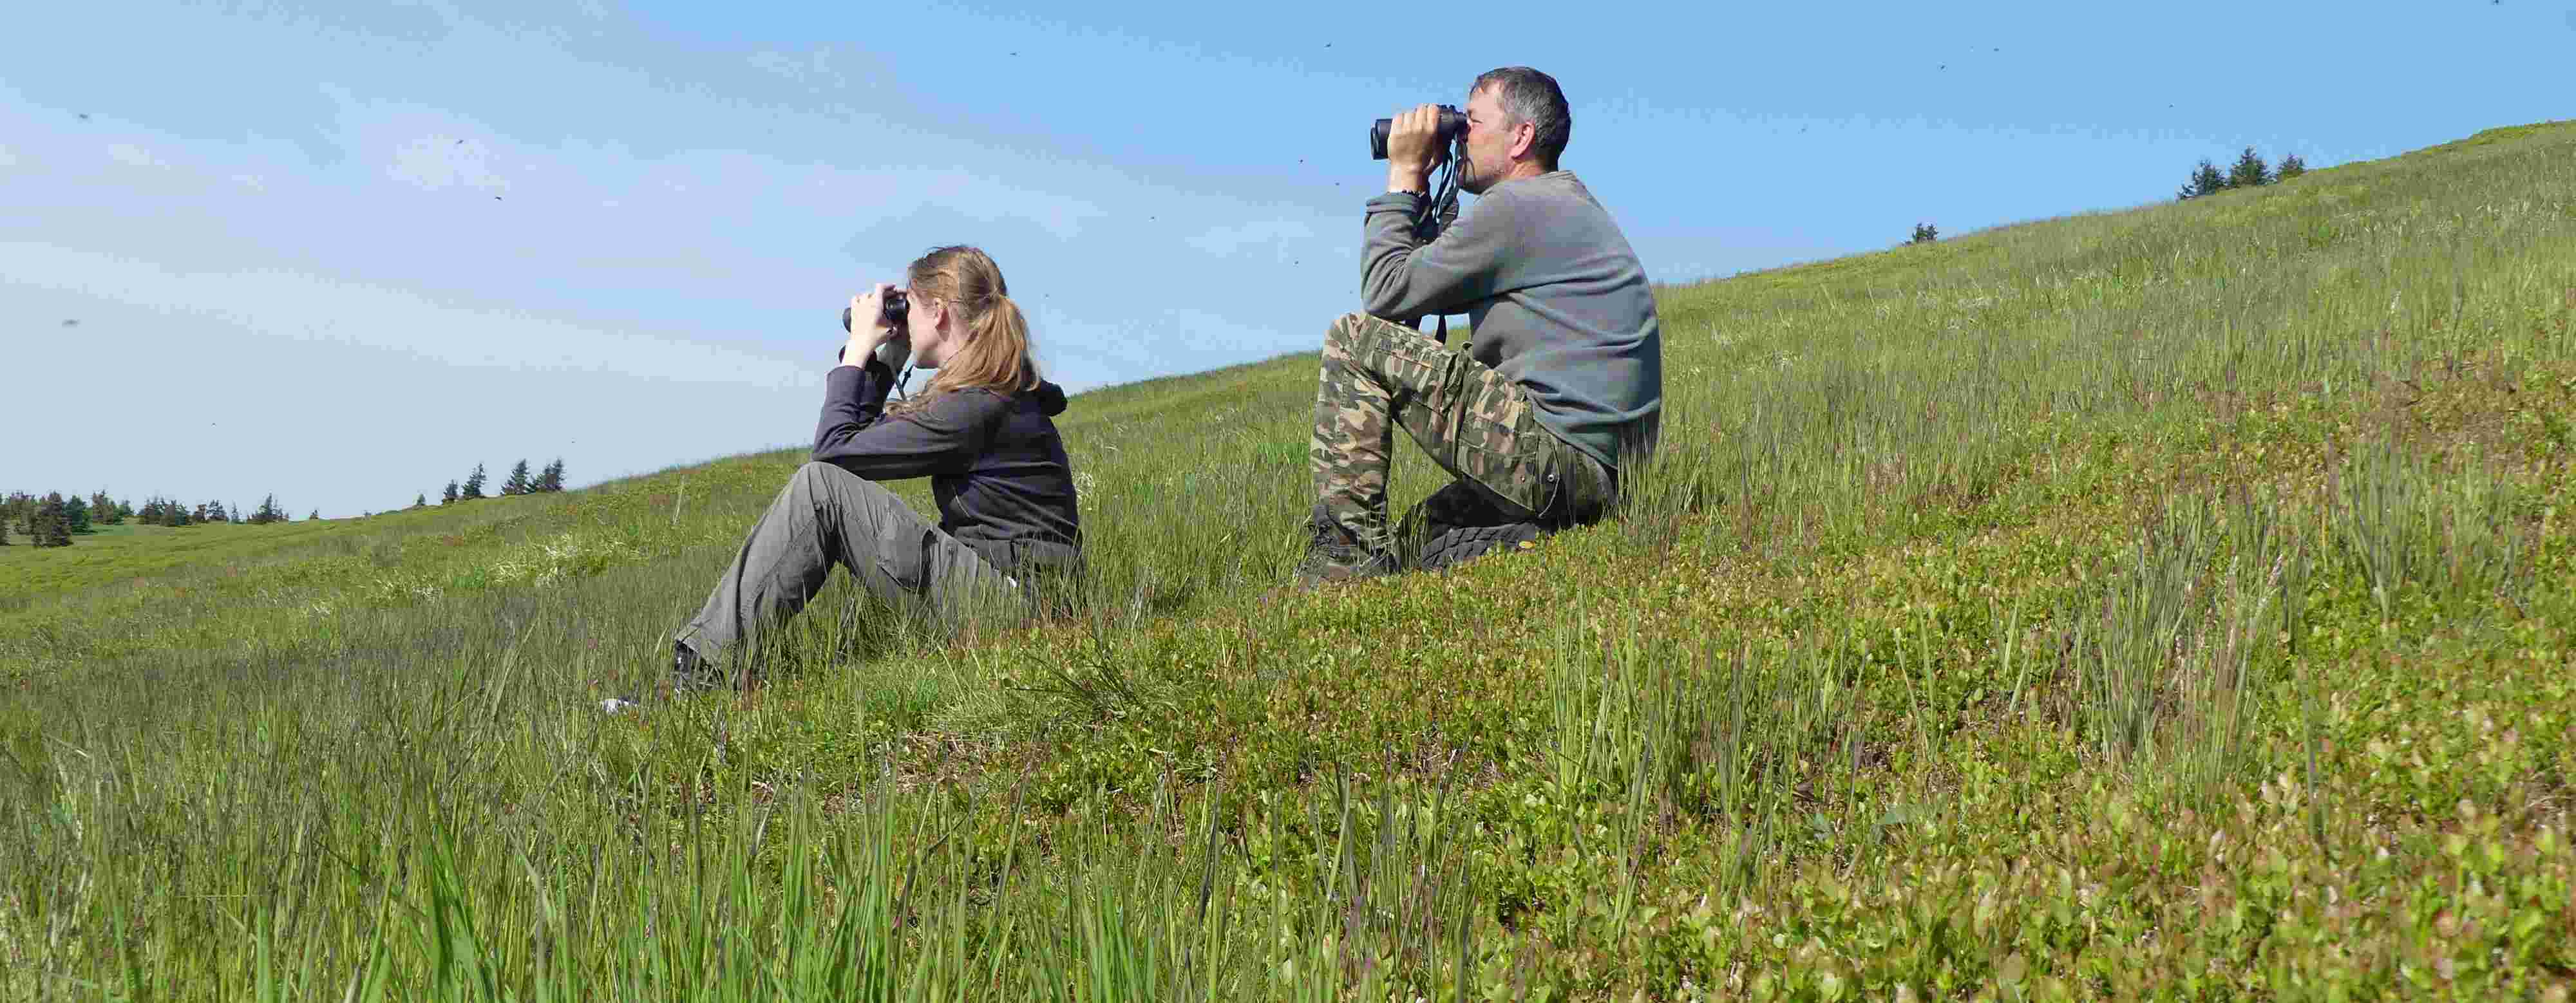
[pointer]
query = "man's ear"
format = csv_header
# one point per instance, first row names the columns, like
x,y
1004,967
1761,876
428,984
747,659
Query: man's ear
x,y
1524,138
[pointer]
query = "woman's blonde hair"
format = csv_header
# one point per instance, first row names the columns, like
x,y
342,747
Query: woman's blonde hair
x,y
995,355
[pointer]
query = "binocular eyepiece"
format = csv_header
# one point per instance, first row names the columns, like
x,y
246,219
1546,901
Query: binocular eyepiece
x,y
894,312
1453,124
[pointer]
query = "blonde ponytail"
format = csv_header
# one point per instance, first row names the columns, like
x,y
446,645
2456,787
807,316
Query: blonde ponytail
x,y
995,356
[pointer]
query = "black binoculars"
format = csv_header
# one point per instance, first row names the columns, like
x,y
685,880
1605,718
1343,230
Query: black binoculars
x,y
1453,124
893,314
894,310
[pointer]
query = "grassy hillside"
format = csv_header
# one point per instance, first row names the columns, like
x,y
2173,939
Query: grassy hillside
x,y
2168,602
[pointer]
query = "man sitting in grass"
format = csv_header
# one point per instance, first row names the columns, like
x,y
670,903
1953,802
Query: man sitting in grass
x,y
1563,381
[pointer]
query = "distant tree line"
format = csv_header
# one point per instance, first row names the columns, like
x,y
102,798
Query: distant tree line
x,y
54,519
520,483
2248,172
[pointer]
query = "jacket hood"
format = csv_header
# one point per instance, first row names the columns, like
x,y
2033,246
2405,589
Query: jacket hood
x,y
1049,398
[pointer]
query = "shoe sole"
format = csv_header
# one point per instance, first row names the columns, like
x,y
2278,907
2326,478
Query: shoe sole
x,y
1454,547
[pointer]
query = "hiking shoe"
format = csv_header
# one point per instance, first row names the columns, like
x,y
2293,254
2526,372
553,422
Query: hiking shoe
x,y
1457,524
1461,544
1333,556
691,673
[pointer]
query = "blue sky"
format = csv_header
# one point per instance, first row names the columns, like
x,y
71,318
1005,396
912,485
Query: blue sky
x,y
342,252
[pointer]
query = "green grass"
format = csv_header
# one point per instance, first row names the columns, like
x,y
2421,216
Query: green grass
x,y
2169,602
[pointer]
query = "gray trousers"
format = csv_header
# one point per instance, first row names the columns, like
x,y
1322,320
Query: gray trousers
x,y
825,516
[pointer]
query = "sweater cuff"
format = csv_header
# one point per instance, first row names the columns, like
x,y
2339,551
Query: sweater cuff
x,y
1395,201
867,384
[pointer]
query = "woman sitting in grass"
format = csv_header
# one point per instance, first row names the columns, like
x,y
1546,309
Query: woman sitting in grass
x,y
982,432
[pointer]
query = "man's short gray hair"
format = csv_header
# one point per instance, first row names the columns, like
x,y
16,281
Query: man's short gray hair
x,y
1528,95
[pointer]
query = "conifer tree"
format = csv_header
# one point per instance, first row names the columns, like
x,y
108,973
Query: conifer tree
x,y
552,478
268,512
2205,180
2249,171
76,515
448,498
52,528
124,511
317,513
4,532
518,482
2291,167
102,509
474,484
420,500
1925,233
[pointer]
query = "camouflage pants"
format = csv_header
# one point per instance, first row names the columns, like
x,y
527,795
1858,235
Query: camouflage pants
x,y
1478,425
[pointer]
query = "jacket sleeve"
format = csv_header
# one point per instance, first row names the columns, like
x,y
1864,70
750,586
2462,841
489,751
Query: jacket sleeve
x,y
1466,263
856,434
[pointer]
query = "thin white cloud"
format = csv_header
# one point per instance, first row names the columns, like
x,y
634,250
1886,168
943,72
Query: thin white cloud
x,y
278,303
133,156
814,69
438,161
1284,240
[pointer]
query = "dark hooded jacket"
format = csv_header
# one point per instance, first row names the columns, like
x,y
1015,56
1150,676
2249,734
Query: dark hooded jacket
x,y
995,462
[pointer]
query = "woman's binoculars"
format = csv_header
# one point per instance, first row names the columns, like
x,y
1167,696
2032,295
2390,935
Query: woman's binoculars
x,y
895,310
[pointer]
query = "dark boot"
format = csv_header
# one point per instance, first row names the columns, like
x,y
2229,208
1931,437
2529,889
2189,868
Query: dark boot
x,y
1332,555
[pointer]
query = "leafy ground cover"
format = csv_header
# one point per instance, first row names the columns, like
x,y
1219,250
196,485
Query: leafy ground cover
x,y
2160,603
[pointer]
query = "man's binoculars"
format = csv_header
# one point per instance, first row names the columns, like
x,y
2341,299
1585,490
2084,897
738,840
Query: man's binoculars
x,y
1453,124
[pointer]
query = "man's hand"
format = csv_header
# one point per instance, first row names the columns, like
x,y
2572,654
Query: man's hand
x,y
867,325
1413,148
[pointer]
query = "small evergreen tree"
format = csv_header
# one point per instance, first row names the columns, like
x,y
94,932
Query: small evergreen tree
x,y
102,510
53,528
2291,167
420,500
518,483
4,532
268,512
76,515
1925,233
448,498
317,514
474,484
2249,171
2205,180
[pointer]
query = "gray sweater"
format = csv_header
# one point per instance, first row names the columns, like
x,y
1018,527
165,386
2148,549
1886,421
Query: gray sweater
x,y
1555,297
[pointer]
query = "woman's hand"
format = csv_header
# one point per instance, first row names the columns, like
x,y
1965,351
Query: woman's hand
x,y
868,328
